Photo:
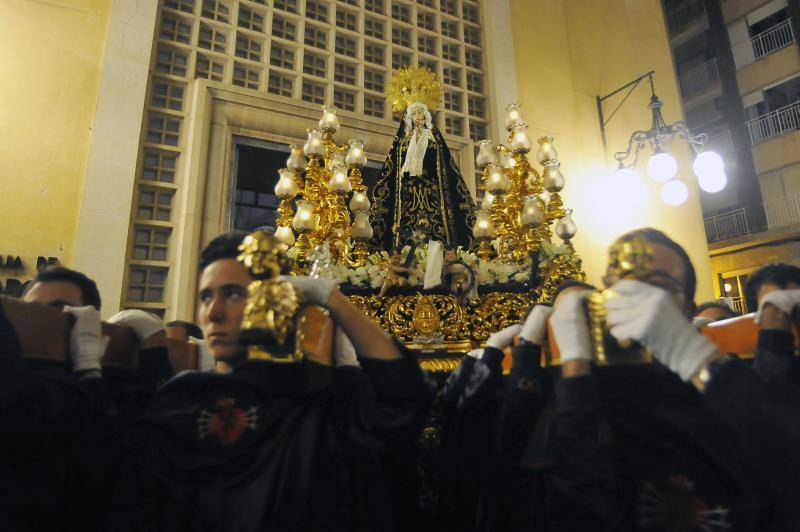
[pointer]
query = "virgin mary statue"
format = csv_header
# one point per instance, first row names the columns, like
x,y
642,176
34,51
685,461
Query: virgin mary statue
x,y
420,184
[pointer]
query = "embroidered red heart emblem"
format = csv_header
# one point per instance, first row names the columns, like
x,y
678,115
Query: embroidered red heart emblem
x,y
227,422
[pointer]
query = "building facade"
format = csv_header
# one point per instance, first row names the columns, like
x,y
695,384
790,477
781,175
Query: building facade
x,y
738,64
195,102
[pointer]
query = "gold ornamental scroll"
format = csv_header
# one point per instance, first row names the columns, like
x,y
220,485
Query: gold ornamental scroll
x,y
439,327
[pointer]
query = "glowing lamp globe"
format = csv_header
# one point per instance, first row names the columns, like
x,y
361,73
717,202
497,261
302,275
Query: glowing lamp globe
x,y
710,171
662,167
674,193
285,235
707,163
712,182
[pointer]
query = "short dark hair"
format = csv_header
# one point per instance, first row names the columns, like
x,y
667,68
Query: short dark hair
x,y
192,329
224,246
654,236
779,273
721,305
90,295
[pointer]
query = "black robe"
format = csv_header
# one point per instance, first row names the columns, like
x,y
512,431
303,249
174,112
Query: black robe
x,y
636,449
262,449
60,441
440,196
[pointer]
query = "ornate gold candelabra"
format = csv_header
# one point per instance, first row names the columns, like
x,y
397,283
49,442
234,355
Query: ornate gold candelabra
x,y
323,185
522,203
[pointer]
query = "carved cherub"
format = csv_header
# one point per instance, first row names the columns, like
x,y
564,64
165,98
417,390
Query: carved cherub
x,y
457,276
397,274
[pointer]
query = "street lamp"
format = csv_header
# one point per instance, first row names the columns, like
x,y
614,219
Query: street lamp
x,y
661,166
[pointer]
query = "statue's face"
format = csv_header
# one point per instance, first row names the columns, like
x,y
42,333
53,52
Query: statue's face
x,y
418,117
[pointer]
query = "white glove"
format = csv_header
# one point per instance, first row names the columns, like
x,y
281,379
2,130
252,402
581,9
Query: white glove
x,y
570,326
476,353
648,314
344,353
504,337
316,290
785,300
205,358
87,345
143,323
535,326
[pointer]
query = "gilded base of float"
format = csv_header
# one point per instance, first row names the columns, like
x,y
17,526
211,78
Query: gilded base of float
x,y
441,328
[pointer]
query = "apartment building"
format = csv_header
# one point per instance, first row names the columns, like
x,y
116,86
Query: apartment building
x,y
738,66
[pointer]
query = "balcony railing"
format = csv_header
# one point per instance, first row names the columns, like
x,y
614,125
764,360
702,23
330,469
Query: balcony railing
x,y
699,77
727,225
683,13
783,212
738,304
775,123
721,142
771,40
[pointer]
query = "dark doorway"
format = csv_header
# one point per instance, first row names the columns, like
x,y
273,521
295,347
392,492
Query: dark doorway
x,y
256,164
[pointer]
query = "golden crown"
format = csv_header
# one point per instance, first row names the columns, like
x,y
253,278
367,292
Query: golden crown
x,y
413,84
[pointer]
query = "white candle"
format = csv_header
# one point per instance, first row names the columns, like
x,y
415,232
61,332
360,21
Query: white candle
x,y
546,150
362,229
356,155
339,181
497,182
519,139
329,119
304,218
532,212
296,160
553,180
285,235
513,116
483,225
314,145
566,228
359,202
486,154
286,186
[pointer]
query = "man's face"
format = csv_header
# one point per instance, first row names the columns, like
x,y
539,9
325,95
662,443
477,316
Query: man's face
x,y
418,116
666,271
223,296
56,294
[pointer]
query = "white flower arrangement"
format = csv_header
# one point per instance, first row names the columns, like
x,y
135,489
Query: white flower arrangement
x,y
373,273
550,251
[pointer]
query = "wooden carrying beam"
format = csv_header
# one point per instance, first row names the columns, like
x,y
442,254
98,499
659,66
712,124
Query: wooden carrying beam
x,y
43,334
738,336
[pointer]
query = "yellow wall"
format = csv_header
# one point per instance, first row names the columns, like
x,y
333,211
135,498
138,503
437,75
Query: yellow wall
x,y
773,68
567,52
777,153
50,57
